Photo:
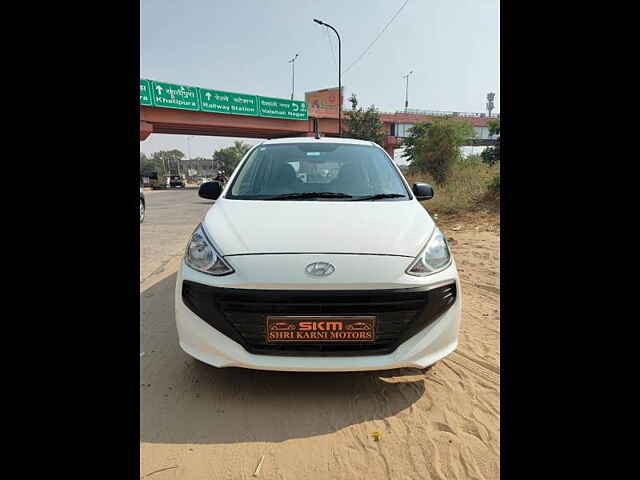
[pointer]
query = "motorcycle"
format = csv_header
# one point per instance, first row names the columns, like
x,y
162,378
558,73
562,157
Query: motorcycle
x,y
221,179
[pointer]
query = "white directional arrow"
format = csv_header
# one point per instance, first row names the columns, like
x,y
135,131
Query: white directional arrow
x,y
208,95
159,89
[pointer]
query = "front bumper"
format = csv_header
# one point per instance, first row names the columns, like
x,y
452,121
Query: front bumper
x,y
223,347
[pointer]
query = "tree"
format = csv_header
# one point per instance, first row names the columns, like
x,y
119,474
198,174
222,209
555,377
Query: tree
x,y
240,148
143,162
364,124
410,143
150,165
168,161
440,146
491,155
494,127
196,163
228,158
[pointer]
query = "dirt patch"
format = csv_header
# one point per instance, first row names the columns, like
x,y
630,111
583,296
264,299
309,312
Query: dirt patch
x,y
442,424
480,220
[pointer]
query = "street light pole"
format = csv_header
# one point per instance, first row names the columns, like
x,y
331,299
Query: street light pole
x,y
188,151
320,22
406,95
293,73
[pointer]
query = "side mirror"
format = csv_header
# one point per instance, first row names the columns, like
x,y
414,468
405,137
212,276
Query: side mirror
x,y
422,191
210,190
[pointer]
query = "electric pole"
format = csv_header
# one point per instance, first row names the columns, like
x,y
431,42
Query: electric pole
x,y
293,73
406,92
490,97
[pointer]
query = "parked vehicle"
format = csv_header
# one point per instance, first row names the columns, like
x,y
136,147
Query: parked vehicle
x,y
167,181
341,269
143,205
159,182
176,181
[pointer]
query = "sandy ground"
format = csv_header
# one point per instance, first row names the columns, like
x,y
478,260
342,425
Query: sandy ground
x,y
198,422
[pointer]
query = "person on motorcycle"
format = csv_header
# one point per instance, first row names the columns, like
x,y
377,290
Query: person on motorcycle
x,y
220,177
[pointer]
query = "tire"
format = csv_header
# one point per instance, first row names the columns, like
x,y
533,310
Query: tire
x,y
142,210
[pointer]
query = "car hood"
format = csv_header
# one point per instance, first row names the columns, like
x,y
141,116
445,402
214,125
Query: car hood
x,y
240,227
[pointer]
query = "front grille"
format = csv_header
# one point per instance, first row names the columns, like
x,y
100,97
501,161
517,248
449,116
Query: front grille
x,y
241,314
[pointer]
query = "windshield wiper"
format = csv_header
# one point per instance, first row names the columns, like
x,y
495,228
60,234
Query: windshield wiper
x,y
295,196
379,196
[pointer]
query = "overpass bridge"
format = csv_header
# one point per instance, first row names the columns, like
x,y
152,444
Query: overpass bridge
x,y
184,110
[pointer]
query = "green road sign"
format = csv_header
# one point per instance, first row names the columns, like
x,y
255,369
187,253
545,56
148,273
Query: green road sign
x,y
280,108
227,102
145,92
169,95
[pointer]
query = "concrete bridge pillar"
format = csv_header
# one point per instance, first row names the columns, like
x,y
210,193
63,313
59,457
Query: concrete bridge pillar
x,y
145,130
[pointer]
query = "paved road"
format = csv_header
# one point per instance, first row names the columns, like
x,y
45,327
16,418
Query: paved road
x,y
171,217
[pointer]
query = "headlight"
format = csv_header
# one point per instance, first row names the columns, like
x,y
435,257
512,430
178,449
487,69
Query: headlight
x,y
201,255
433,258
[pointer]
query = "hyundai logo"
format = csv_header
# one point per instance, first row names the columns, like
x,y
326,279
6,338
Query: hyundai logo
x,y
320,269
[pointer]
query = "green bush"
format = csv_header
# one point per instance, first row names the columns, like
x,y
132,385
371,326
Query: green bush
x,y
491,155
494,184
436,148
465,189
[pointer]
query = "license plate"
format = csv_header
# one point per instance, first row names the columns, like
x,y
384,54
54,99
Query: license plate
x,y
282,329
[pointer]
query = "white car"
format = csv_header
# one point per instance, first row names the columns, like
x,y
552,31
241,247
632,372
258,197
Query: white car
x,y
337,272
143,204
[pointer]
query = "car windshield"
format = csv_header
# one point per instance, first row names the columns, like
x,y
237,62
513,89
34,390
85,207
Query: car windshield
x,y
311,171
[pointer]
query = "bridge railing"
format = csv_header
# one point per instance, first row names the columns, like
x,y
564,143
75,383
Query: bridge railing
x,y
432,113
442,113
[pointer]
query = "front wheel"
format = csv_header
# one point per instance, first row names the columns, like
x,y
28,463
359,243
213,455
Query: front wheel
x,y
142,210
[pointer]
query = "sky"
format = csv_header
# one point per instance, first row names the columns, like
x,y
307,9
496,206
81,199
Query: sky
x,y
244,46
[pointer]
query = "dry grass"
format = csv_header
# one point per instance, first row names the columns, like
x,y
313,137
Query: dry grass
x,y
466,189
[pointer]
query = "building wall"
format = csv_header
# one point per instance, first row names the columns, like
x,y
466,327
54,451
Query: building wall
x,y
483,133
402,130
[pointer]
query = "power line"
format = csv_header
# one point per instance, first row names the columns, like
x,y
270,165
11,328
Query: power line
x,y
376,39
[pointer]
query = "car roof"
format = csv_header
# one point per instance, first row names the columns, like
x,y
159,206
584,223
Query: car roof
x,y
348,141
